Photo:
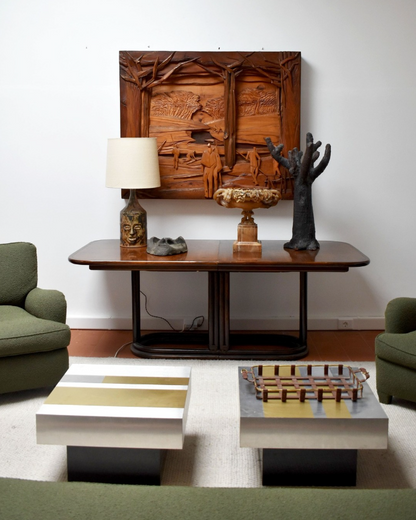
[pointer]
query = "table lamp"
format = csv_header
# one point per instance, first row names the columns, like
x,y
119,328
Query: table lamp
x,y
133,163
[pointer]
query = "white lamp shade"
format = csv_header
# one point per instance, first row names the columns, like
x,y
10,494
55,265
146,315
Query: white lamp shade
x,y
132,163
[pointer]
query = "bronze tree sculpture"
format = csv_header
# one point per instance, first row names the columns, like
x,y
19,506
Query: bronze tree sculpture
x,y
304,174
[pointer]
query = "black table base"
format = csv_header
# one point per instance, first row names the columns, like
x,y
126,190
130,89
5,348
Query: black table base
x,y
219,341
115,465
310,467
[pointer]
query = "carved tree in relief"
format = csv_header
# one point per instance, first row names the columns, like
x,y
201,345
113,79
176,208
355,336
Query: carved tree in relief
x,y
227,100
304,173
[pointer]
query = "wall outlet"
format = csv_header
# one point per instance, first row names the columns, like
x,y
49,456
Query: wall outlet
x,y
345,323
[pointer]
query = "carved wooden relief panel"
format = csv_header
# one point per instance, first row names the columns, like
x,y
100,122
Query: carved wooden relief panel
x,y
210,113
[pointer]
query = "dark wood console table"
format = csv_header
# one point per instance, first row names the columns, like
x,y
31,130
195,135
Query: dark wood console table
x,y
217,258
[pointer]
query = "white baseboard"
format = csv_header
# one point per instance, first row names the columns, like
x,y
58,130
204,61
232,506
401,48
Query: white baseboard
x,y
99,323
289,323
313,324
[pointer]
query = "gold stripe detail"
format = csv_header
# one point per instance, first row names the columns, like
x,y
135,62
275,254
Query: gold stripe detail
x,y
295,409
283,371
117,397
289,409
132,380
334,410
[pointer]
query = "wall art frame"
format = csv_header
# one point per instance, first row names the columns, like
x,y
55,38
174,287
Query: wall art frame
x,y
210,113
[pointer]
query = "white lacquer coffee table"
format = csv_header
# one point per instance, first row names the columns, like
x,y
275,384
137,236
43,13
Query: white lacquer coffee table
x,y
117,420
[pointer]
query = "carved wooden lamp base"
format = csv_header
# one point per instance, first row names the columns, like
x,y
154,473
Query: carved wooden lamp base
x,y
247,235
133,223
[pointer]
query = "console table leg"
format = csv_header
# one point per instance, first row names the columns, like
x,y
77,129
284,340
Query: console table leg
x,y
224,315
219,311
303,308
213,311
135,305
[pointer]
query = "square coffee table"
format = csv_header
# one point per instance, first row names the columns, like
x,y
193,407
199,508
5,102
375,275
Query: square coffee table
x,y
309,437
116,420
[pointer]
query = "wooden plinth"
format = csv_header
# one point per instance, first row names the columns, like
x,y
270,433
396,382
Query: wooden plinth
x,y
247,239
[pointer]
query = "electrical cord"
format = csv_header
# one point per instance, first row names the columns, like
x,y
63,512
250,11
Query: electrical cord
x,y
154,316
164,319
121,348
167,321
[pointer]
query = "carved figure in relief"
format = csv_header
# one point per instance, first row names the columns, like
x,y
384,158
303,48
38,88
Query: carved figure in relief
x,y
176,154
254,159
190,157
217,170
277,176
212,167
208,162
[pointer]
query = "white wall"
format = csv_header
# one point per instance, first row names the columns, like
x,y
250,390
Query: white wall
x,y
59,102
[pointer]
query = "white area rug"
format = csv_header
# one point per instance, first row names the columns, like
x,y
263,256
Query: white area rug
x,y
211,456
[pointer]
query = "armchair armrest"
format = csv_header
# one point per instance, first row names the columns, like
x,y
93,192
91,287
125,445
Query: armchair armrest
x,y
401,315
47,304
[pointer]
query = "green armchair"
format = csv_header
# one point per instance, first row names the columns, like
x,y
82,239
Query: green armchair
x,y
396,352
33,334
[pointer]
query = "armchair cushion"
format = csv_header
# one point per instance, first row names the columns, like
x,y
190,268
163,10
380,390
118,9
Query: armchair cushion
x,y
395,351
397,348
47,304
18,272
401,315
22,333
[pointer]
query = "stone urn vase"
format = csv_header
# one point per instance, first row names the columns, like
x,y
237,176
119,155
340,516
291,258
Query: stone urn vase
x,y
247,199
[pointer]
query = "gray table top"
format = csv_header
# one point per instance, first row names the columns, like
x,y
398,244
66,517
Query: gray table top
x,y
347,424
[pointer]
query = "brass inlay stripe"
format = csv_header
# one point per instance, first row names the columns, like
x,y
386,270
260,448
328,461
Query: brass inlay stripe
x,y
117,397
284,371
295,409
288,410
143,380
334,410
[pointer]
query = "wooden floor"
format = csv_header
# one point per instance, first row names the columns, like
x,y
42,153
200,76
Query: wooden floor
x,y
348,345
